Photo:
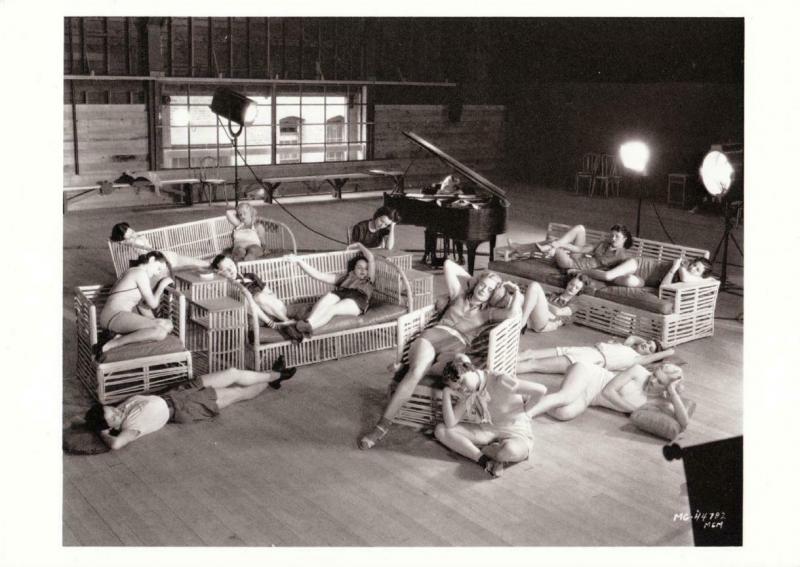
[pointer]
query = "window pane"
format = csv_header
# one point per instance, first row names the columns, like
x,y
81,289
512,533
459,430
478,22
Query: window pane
x,y
178,137
257,135
289,154
313,133
313,154
313,113
202,116
259,155
204,135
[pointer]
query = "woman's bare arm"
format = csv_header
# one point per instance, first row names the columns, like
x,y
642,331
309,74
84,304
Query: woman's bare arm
x,y
312,271
119,441
670,275
452,415
456,277
681,414
151,297
388,241
612,389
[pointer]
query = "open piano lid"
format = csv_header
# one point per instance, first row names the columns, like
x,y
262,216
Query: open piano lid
x,y
473,176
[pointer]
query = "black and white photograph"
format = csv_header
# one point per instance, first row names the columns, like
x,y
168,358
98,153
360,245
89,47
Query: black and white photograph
x,y
390,285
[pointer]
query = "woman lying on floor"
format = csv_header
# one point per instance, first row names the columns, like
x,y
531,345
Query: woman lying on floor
x,y
605,261
469,309
122,232
544,312
267,306
197,400
504,434
350,297
127,313
587,385
611,355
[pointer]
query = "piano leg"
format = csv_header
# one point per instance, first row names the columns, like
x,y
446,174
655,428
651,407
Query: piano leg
x,y
472,247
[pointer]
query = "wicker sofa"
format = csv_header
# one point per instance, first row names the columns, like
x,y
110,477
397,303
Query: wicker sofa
x,y
674,314
130,369
342,336
200,239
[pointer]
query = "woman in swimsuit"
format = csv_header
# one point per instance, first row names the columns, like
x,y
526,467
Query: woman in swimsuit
x,y
266,305
588,385
122,232
545,312
126,312
350,297
248,233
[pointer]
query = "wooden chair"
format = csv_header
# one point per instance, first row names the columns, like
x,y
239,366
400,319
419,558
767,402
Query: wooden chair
x,y
590,163
608,175
151,366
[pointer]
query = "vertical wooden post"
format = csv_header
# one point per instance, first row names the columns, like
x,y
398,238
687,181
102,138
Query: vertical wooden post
x,y
71,47
269,46
230,48
84,62
191,46
247,41
74,126
106,47
170,50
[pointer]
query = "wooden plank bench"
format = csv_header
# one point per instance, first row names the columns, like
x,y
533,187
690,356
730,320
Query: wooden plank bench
x,y
336,180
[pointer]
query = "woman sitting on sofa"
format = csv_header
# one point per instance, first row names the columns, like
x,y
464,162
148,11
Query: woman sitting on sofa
x,y
469,309
122,232
605,261
350,297
587,385
127,312
695,270
544,312
267,306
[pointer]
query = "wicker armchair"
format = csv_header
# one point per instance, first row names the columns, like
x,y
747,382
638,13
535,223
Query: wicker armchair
x,y
495,349
199,239
144,371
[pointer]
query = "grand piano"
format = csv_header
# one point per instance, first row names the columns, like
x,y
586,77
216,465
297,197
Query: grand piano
x,y
475,215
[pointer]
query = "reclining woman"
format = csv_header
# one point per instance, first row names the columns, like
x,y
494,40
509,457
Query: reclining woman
x,y
544,312
587,385
694,270
128,310
469,309
267,306
504,434
122,232
611,355
606,261
350,297
248,232
199,399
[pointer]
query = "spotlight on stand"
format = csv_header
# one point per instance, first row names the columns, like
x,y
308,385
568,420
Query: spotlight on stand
x,y
634,156
238,109
721,173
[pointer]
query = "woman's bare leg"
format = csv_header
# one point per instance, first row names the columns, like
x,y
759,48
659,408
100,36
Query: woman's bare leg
x,y
575,235
237,377
549,365
463,439
253,252
572,390
272,306
534,353
134,328
342,307
535,311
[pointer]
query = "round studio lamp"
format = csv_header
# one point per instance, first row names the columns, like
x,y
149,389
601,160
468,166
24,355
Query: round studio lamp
x,y
233,106
634,155
716,173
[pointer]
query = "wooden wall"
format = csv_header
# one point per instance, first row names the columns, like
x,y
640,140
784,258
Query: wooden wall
x,y
112,138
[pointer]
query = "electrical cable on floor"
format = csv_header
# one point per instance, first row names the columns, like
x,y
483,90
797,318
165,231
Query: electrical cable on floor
x,y
275,200
658,216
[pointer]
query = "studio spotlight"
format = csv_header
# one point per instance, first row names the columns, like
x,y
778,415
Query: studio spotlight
x,y
238,109
233,106
722,174
635,155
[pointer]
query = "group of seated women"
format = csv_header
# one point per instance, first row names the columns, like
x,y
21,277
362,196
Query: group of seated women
x,y
607,374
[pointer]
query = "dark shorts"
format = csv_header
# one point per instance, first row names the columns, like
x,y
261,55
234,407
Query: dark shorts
x,y
191,402
443,342
584,262
360,299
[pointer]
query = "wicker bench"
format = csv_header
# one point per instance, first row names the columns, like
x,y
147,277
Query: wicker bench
x,y
342,336
199,239
495,349
131,369
673,314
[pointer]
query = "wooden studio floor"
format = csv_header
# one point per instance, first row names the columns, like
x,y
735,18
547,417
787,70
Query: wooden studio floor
x,y
284,469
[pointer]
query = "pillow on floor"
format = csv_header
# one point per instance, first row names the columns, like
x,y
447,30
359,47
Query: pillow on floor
x,y
658,423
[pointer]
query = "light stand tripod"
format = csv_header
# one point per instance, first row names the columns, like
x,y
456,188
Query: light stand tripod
x,y
640,183
727,236
235,135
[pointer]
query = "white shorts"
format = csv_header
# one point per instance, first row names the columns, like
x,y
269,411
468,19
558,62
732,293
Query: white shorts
x,y
589,355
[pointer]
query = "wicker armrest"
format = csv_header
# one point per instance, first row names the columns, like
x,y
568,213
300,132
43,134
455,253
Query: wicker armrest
x,y
691,296
174,303
391,283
